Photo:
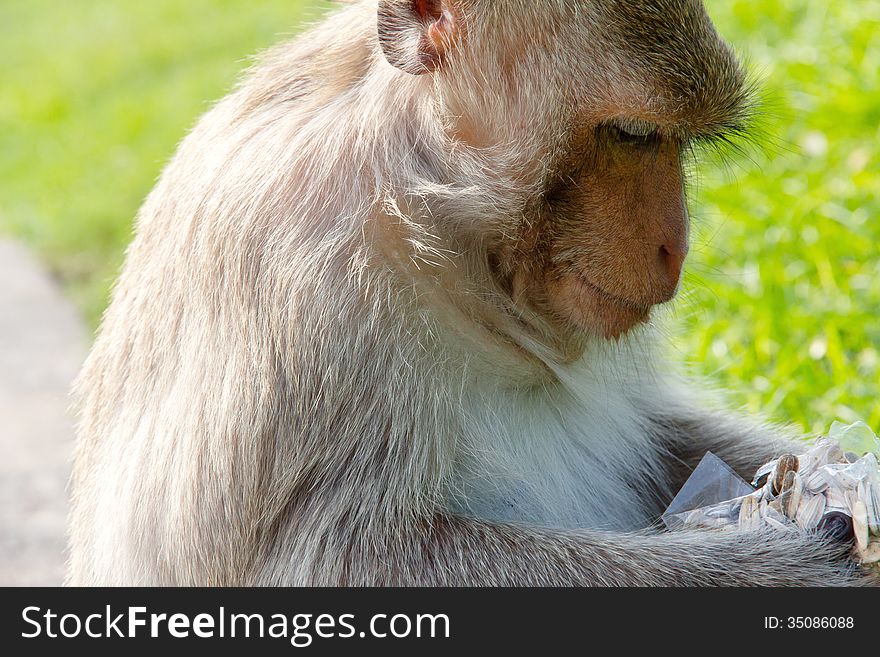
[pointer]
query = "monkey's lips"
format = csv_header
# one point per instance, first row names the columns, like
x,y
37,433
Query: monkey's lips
x,y
594,308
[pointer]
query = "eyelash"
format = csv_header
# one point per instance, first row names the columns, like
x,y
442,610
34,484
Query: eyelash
x,y
725,145
625,137
633,132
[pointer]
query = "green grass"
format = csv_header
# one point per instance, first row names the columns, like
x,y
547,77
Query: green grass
x,y
784,292
94,97
782,299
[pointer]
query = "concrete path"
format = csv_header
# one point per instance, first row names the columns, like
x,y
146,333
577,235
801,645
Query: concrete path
x,y
42,344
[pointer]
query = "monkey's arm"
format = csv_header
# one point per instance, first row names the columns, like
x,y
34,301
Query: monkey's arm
x,y
456,551
688,433
496,554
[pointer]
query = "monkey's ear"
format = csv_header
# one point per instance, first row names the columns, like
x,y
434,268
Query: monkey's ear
x,y
415,35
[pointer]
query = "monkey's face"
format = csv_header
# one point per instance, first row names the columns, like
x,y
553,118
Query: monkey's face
x,y
612,230
572,118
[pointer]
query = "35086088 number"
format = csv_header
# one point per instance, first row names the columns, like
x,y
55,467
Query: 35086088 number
x,y
820,622
809,622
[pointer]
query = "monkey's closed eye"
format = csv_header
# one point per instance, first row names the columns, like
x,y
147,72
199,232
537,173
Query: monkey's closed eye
x,y
633,131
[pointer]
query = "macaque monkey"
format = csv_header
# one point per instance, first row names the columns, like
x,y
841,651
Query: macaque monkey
x,y
389,317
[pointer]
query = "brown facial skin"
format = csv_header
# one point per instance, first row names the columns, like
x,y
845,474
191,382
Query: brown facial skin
x,y
613,234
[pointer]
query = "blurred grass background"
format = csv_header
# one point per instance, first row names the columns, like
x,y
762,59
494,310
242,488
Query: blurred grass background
x,y
782,296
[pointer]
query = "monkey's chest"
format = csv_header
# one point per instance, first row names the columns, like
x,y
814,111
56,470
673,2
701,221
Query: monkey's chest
x,y
575,456
552,484
557,504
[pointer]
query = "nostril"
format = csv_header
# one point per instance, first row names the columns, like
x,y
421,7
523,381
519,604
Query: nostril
x,y
674,250
673,260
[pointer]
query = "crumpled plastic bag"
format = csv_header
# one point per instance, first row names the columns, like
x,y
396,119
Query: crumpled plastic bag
x,y
833,488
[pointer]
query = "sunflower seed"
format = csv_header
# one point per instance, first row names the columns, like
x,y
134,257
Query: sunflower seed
x,y
817,482
871,554
787,463
793,489
860,525
875,499
810,512
835,499
852,496
866,496
846,479
824,451
834,454
749,514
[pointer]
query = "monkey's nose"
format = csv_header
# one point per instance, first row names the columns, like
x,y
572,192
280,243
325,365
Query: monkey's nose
x,y
672,257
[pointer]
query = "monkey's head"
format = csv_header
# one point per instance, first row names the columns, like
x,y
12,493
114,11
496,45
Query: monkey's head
x,y
572,118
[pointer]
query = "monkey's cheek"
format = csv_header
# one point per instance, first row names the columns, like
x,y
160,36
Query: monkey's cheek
x,y
590,310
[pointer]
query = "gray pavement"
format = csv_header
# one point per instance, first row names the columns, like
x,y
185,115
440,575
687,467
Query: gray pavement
x,y
42,344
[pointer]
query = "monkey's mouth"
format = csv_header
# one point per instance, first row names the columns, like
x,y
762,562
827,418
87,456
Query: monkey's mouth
x,y
571,296
596,309
605,295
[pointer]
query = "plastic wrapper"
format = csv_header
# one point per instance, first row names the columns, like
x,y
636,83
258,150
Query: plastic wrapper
x,y
712,483
833,488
